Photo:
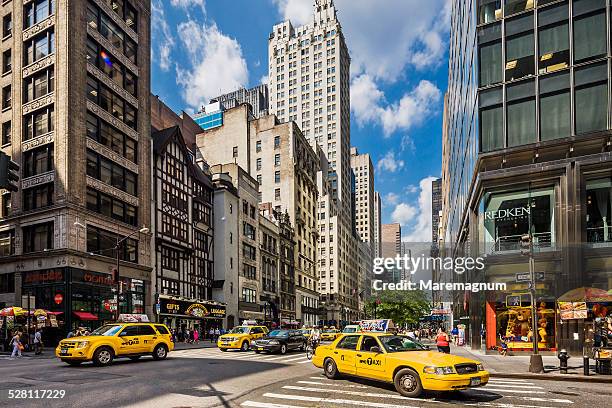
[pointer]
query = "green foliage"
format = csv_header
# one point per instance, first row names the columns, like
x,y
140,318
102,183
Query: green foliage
x,y
403,307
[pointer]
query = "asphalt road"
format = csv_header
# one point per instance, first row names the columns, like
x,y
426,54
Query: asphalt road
x,y
210,378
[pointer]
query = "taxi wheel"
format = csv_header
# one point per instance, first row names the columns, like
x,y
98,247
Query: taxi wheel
x,y
244,346
331,369
103,356
160,352
408,383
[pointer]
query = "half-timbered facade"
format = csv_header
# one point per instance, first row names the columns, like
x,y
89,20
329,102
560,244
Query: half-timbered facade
x,y
182,222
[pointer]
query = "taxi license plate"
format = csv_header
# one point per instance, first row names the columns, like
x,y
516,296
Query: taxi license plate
x,y
474,381
260,348
64,351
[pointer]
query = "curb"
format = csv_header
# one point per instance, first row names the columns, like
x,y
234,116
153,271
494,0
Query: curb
x,y
555,377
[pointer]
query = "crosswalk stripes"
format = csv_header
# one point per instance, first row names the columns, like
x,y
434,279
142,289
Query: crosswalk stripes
x,y
318,390
210,353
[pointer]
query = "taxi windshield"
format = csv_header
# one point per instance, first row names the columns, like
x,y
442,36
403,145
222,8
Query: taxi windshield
x,y
395,344
350,330
305,331
279,333
240,330
329,331
107,330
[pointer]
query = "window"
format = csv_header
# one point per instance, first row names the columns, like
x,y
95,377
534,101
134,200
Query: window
x,y
37,161
490,54
36,11
249,295
555,111
38,85
107,135
249,271
103,243
6,133
258,164
235,151
101,95
520,113
6,97
111,207
277,194
170,258
7,280
38,123
491,120
589,29
7,62
249,251
258,146
7,243
598,222
5,205
348,343
108,64
591,98
276,142
516,6
489,11
553,38
38,197
7,25
37,237
249,230
170,287
39,47
519,47
111,173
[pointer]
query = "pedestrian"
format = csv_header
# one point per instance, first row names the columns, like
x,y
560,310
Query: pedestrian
x,y
217,333
211,333
191,336
455,334
38,344
17,346
196,336
442,341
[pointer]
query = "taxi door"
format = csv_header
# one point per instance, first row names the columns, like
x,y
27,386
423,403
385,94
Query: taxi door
x,y
344,354
370,364
148,338
257,333
130,342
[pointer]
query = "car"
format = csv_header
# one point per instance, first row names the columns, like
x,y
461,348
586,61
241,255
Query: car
x,y
330,334
306,333
240,337
115,340
280,341
398,360
351,328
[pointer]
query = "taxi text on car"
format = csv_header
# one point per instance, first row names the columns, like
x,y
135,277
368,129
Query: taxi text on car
x,y
240,337
114,340
397,359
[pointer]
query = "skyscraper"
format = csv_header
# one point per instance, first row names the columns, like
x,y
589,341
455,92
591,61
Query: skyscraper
x,y
364,195
527,152
76,117
257,97
309,84
377,234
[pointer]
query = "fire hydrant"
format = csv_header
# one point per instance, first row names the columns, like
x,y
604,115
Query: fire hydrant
x,y
563,357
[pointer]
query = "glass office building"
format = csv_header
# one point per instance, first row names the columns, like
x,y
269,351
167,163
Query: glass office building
x,y
528,119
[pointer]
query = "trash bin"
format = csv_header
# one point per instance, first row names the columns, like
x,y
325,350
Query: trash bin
x,y
605,368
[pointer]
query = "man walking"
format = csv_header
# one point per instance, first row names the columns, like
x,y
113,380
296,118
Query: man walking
x,y
211,333
38,345
217,333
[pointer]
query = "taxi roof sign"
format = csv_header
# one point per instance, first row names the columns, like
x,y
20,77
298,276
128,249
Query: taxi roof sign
x,y
377,325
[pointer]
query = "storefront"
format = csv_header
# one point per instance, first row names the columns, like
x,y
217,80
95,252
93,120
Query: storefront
x,y
181,314
80,298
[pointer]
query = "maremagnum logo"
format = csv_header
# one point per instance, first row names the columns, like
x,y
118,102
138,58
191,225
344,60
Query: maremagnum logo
x,y
508,213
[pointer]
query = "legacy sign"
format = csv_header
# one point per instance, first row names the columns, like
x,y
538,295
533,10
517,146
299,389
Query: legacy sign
x,y
194,310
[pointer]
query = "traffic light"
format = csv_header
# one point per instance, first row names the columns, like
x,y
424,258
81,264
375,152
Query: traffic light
x,y
9,173
115,275
526,244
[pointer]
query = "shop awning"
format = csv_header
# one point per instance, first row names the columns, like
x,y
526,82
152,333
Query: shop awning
x,y
55,313
85,316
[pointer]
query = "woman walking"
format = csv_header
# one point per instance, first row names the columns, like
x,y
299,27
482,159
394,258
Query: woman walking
x,y
17,346
442,341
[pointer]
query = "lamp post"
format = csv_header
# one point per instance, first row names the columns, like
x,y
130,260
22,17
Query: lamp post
x,y
116,275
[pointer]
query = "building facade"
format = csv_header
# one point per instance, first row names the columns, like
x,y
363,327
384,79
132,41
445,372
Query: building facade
x,y
258,97
528,129
309,84
75,117
269,262
377,231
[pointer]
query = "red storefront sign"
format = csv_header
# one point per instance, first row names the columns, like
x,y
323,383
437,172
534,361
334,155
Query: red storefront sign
x,y
59,298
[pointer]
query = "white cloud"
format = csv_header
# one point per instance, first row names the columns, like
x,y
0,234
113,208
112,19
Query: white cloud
x,y
390,163
188,3
162,36
369,105
421,230
264,79
411,189
298,11
403,213
390,199
217,63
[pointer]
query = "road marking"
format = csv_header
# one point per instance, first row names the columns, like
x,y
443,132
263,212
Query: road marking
x,y
491,380
357,393
531,387
334,401
537,399
296,359
302,362
256,404
332,384
502,405
508,380
486,388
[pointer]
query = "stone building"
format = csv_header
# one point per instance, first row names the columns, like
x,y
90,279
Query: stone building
x,y
75,116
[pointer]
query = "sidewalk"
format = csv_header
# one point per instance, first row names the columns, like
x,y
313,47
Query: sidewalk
x,y
518,366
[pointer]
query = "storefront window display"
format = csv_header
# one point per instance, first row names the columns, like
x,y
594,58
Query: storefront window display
x,y
509,215
598,200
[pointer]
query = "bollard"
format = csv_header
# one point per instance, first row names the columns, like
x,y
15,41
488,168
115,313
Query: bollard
x,y
585,365
563,357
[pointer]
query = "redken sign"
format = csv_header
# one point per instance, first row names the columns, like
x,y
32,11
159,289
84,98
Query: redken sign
x,y
509,213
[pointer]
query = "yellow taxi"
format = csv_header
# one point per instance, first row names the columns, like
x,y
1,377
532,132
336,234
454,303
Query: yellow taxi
x,y
132,340
306,332
397,359
330,334
240,337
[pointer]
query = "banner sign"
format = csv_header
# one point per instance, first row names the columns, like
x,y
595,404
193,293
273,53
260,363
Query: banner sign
x,y
195,310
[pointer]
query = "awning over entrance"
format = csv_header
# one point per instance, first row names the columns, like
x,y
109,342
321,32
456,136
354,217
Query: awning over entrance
x,y
85,316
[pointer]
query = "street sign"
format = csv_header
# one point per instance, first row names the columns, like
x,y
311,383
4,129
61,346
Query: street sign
x,y
525,277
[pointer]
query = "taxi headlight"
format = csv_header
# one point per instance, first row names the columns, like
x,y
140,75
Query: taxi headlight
x,y
480,367
252,342
439,370
82,344
274,342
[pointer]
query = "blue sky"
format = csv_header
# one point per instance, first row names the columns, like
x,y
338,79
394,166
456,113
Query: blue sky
x,y
201,48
